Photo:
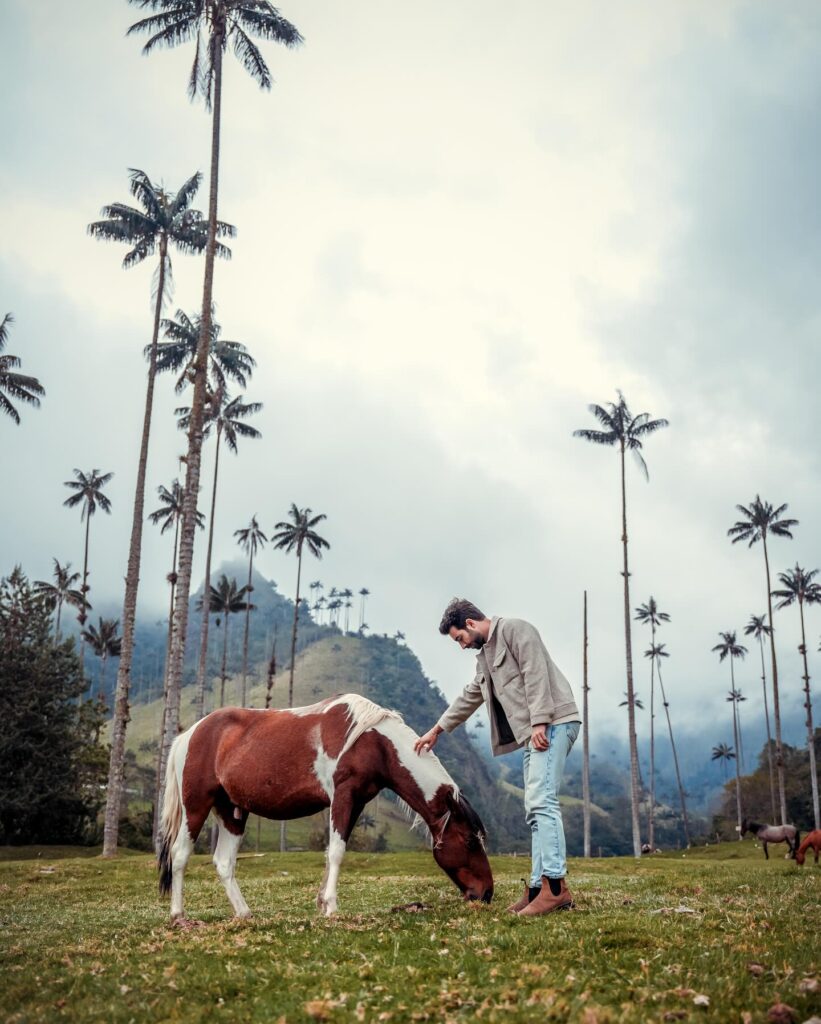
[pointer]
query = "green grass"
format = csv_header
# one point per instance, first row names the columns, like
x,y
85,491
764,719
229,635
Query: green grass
x,y
88,940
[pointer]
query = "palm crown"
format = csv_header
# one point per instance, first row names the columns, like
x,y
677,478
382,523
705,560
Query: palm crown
x,y
63,589
211,24
622,428
757,627
88,489
300,532
798,586
104,639
729,646
166,218
226,416
761,518
170,510
226,598
251,538
649,613
15,385
226,359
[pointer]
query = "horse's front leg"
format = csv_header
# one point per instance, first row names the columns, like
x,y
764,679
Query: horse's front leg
x,y
763,843
345,809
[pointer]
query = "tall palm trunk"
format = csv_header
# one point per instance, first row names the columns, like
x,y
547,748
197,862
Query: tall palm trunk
x,y
194,457
282,839
651,814
675,760
199,698
57,620
224,662
158,778
628,646
248,591
767,720
810,730
737,758
585,743
132,583
779,753
84,609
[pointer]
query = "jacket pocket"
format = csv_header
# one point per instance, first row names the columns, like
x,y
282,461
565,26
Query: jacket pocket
x,y
505,669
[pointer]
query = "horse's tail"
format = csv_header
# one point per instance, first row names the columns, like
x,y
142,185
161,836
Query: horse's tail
x,y
171,818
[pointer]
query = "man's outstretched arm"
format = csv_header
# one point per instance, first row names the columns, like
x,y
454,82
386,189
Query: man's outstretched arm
x,y
459,711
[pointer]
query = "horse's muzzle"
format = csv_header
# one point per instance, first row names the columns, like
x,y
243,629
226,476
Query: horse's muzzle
x,y
485,897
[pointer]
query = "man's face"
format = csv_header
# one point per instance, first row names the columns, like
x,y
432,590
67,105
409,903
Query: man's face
x,y
468,638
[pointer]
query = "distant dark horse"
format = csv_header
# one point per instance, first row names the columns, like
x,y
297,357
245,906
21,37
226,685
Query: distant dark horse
x,y
338,753
788,834
813,840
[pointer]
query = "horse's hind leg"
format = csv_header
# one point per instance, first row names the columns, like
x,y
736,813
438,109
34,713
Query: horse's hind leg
x,y
225,861
180,852
765,849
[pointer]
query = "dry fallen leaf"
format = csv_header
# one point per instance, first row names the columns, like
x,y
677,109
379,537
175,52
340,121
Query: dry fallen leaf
x,y
808,986
780,1013
756,969
701,1000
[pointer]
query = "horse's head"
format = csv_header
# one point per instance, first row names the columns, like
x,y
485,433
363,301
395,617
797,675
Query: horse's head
x,y
459,849
745,825
799,856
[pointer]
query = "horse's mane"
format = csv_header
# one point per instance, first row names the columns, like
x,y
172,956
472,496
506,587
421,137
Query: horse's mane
x,y
363,714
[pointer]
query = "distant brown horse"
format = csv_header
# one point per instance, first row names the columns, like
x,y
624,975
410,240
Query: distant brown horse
x,y
813,840
338,753
788,834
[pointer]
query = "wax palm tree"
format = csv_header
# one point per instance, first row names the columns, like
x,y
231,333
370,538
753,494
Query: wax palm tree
x,y
737,697
227,360
226,599
723,754
296,535
163,221
363,594
88,493
627,433
250,540
105,642
225,420
799,586
657,652
212,24
61,591
637,701
757,627
13,385
730,648
346,596
168,516
314,586
649,614
758,521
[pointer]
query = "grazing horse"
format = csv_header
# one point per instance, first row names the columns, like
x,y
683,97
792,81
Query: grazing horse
x,y
813,840
788,834
338,753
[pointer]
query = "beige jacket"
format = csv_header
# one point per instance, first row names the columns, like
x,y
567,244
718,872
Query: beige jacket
x,y
518,681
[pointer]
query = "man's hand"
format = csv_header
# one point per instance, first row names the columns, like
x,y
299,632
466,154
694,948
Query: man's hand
x,y
538,738
428,741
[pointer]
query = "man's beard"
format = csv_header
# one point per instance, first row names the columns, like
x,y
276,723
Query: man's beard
x,y
476,640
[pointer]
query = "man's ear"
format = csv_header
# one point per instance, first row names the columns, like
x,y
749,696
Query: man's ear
x,y
470,623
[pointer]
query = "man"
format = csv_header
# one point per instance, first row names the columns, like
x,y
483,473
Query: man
x,y
529,704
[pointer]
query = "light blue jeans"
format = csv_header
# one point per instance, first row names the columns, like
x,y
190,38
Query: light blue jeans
x,y
543,771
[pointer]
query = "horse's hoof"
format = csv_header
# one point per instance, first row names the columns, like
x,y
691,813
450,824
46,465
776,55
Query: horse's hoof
x,y
247,916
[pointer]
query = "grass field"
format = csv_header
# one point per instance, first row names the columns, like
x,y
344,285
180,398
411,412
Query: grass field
x,y
717,935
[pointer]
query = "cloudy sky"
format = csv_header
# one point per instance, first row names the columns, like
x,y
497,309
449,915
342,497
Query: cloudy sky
x,y
457,228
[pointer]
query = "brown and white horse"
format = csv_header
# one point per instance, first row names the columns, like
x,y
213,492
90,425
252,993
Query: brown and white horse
x,y
338,753
812,839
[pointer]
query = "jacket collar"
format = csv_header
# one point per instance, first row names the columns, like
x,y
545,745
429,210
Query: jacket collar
x,y
494,622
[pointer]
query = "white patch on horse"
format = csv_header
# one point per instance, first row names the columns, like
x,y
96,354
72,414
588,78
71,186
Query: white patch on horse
x,y
183,845
324,766
426,769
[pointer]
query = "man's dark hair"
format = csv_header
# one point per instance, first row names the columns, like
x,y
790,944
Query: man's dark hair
x,y
457,613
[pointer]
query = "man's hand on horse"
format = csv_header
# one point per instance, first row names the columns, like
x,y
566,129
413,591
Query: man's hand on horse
x,y
428,741
538,737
